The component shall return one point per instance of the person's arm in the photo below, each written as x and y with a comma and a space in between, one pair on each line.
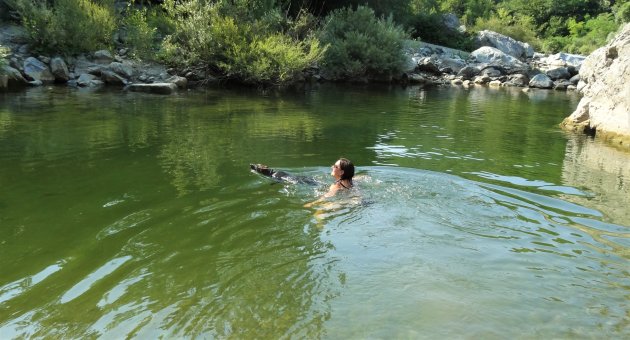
331, 192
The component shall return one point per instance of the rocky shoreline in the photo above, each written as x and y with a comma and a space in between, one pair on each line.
502, 61
499, 61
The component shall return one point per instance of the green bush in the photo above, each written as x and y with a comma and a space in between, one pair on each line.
622, 13
590, 34
431, 28
361, 45
139, 35
555, 44
4, 53
69, 26
246, 51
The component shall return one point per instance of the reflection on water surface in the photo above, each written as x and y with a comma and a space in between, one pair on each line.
136, 215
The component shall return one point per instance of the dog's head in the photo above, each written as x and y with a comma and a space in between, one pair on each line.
261, 169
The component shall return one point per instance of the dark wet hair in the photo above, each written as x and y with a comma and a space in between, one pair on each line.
347, 167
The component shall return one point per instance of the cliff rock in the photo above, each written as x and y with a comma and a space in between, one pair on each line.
604, 109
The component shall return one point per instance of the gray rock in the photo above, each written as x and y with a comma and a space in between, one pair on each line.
605, 104
103, 56
24, 49
481, 80
495, 83
455, 64
415, 78
14, 78
86, 79
96, 70
122, 69
518, 79
561, 84
575, 79
112, 78
59, 69
468, 72
36, 70
558, 73
181, 82
505, 44
44, 59
15, 63
156, 88
495, 57
409, 66
564, 59
541, 81
428, 65
491, 72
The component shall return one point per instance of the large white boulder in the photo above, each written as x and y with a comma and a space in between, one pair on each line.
495, 57
604, 82
505, 44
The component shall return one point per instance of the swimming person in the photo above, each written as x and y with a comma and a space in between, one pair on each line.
342, 171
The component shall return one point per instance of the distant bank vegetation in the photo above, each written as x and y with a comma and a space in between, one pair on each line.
273, 41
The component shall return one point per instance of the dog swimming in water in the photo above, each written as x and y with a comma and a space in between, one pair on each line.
281, 176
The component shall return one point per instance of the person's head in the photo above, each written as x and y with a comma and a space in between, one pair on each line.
343, 169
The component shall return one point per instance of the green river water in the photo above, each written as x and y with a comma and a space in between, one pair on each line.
473, 216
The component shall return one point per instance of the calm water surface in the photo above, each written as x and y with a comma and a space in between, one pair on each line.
474, 216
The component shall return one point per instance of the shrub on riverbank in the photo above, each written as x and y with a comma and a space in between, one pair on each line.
431, 28
70, 26
138, 34
360, 44
4, 52
250, 50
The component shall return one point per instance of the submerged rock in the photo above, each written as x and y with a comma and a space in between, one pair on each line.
157, 88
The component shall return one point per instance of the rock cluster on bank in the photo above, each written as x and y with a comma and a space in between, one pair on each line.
605, 84
505, 63
88, 70
500, 61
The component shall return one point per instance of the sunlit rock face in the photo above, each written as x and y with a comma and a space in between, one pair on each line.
605, 78
603, 172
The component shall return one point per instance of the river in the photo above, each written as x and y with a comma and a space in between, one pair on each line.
473, 216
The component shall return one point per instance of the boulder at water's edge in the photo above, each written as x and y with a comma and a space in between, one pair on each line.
604, 109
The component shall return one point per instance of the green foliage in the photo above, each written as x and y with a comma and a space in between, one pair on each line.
69, 26
162, 23
139, 35
431, 28
248, 51
590, 34
4, 53
520, 28
362, 45
468, 10
622, 13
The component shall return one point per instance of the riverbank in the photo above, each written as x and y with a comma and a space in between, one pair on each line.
501, 62
428, 65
